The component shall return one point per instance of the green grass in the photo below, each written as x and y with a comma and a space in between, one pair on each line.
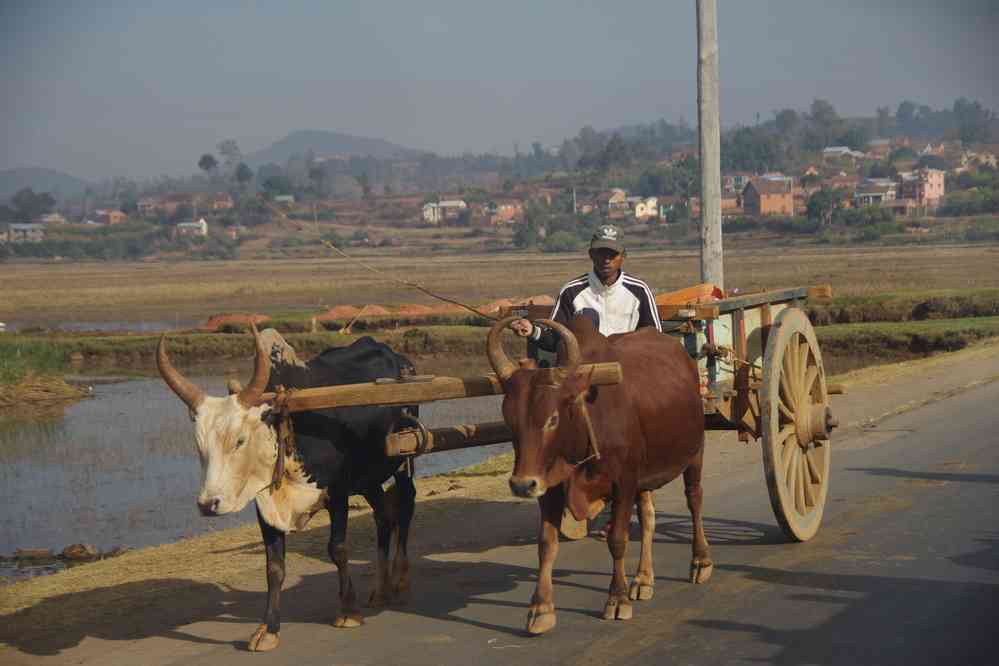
20, 357
897, 306
917, 337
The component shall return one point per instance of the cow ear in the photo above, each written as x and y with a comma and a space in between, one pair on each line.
233, 386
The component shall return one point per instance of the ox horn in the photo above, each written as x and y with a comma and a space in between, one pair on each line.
250, 396
189, 392
572, 353
502, 365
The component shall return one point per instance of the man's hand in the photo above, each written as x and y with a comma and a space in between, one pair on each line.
521, 327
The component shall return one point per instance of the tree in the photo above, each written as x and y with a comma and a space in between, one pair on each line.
244, 175
855, 137
973, 120
208, 163
28, 205
885, 121
365, 182
787, 121
905, 116
932, 162
275, 185
231, 156
822, 204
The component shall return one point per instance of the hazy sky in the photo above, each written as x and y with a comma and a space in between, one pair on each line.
144, 88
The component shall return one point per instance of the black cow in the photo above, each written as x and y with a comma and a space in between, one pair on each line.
338, 453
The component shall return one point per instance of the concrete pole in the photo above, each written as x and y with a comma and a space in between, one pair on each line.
709, 131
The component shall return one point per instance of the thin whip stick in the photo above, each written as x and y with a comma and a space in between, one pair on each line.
407, 283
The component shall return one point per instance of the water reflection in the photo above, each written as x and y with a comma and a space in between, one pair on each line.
121, 469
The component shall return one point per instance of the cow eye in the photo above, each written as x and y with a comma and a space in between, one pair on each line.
552, 422
240, 442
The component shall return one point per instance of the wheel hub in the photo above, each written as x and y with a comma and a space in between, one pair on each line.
813, 423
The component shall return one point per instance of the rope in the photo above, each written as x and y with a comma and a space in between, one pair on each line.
285, 435
407, 283
591, 433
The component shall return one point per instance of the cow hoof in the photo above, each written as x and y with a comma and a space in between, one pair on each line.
348, 621
640, 591
540, 621
617, 610
262, 640
700, 571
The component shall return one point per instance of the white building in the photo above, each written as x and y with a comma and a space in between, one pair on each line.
435, 213
199, 228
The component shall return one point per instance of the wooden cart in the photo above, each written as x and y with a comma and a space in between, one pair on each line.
762, 376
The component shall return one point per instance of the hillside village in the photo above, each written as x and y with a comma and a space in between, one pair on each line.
644, 178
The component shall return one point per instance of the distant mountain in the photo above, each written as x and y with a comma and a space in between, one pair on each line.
322, 142
56, 183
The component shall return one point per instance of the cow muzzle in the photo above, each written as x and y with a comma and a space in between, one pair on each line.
527, 486
210, 506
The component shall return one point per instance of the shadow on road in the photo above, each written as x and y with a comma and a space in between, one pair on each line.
448, 576
872, 619
677, 528
927, 476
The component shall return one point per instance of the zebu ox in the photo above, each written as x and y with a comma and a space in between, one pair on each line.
648, 430
338, 453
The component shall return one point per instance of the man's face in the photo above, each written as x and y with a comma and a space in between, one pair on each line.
606, 263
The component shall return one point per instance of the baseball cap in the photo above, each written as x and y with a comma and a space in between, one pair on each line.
607, 236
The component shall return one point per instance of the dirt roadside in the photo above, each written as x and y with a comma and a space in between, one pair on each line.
155, 592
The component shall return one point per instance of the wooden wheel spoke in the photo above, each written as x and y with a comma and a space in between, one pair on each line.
785, 410
789, 454
799, 487
810, 376
813, 469
803, 350
784, 433
806, 482
787, 389
792, 473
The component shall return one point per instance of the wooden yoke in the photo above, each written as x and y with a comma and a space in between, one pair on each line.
419, 389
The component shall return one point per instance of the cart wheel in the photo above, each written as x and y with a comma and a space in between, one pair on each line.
795, 425
573, 529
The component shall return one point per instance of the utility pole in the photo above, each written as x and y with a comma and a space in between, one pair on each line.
709, 131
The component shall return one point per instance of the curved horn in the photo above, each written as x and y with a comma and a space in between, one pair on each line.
190, 393
571, 343
502, 365
250, 396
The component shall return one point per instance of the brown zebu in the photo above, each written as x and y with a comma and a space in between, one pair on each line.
576, 444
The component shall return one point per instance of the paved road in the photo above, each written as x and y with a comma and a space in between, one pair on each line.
904, 571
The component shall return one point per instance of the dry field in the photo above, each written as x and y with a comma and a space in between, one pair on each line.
46, 293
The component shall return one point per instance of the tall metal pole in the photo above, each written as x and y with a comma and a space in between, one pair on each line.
709, 131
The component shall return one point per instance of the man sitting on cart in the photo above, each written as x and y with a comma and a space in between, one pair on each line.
618, 302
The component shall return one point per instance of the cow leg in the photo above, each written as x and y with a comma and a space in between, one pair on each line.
541, 613
405, 493
266, 636
618, 606
701, 565
349, 615
384, 526
643, 585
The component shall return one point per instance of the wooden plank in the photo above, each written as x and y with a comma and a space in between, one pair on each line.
820, 291
666, 312
727, 305
420, 389
693, 311
407, 442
